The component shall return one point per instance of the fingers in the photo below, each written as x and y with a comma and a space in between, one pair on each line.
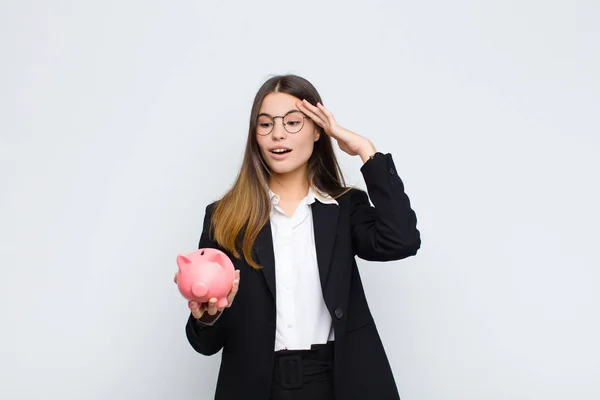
314, 113
234, 288
212, 306
197, 311
325, 111
321, 111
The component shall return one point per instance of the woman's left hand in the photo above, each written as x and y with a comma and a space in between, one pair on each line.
351, 143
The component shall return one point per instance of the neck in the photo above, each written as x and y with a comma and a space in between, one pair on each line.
292, 186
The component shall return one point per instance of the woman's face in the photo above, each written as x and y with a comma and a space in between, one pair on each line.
284, 152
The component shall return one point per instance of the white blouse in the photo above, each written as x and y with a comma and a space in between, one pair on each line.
302, 317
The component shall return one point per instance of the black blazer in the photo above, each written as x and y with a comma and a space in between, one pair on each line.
246, 331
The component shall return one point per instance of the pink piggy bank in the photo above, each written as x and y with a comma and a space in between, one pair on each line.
204, 274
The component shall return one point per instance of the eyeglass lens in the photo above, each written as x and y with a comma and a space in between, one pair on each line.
292, 123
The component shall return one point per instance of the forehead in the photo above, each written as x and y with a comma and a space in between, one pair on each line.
278, 103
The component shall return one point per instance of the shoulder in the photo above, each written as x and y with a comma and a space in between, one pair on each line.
353, 197
207, 238
210, 208
353, 194
209, 211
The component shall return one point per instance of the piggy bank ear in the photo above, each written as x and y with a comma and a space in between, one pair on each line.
222, 259
183, 261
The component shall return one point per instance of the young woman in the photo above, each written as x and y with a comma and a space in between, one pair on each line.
298, 325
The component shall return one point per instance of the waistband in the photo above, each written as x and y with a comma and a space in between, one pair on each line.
293, 368
316, 352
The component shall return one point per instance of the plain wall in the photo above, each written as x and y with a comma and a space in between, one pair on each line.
121, 120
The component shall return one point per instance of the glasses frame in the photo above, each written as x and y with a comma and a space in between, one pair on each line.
283, 123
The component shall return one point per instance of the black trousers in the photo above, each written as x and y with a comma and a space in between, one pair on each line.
303, 374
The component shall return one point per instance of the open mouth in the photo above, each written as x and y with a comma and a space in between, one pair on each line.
280, 151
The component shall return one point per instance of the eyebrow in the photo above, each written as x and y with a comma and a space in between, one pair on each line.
291, 111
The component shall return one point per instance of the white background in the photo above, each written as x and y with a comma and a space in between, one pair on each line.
121, 120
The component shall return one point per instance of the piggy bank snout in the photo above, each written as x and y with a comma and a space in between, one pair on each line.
199, 289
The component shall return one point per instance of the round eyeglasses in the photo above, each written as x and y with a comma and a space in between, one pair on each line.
293, 122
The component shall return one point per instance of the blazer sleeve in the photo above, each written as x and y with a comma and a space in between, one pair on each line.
388, 229
205, 338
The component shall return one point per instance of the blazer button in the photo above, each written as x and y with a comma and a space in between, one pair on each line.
392, 171
339, 313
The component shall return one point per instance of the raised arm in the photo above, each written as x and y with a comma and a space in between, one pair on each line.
388, 229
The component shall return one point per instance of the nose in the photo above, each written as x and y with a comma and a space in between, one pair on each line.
278, 131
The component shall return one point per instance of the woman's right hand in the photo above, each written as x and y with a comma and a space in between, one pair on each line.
199, 310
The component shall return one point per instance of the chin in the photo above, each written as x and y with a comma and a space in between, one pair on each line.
284, 168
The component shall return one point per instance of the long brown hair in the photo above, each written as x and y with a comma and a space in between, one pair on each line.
245, 208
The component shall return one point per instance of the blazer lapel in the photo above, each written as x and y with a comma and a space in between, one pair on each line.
265, 255
325, 221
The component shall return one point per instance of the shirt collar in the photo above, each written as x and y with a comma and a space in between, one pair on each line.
310, 197
321, 196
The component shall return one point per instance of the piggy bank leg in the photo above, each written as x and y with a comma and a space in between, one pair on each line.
222, 302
